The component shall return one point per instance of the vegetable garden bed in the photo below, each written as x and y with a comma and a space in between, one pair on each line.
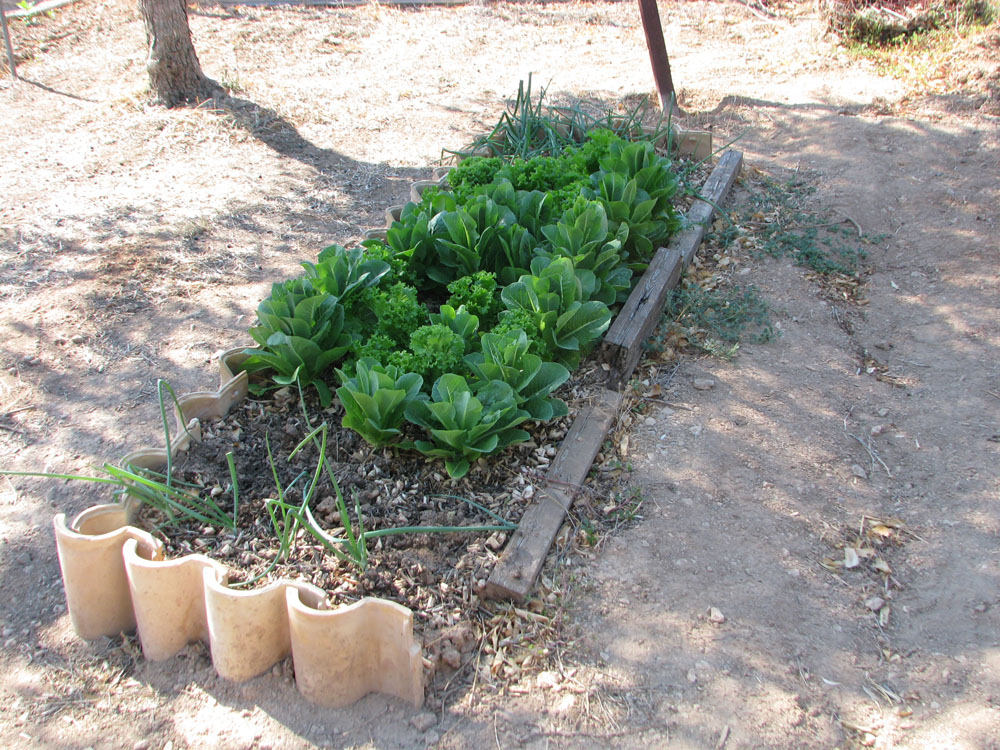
407, 484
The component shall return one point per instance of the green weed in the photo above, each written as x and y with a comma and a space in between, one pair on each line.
715, 320
782, 227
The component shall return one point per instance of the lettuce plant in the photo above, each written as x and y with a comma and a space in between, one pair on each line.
636, 188
411, 239
398, 311
301, 334
582, 236
339, 272
376, 398
505, 357
477, 294
463, 425
559, 300
435, 350
460, 321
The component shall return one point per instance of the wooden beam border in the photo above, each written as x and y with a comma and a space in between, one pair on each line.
622, 346
521, 560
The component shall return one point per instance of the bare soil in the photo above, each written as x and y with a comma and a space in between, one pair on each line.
135, 243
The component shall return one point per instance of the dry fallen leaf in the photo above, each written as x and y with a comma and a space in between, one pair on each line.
882, 566
883, 615
851, 558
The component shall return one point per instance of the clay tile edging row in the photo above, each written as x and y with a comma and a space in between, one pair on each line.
116, 579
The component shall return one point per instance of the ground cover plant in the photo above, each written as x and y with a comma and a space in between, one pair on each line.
876, 24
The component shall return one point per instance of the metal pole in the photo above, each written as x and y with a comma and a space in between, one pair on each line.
6, 41
657, 53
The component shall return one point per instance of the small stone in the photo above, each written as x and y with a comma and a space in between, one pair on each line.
78, 339
704, 384
141, 745
528, 492
649, 421
883, 413
877, 430
695, 429
432, 738
423, 721
715, 615
858, 471
692, 676
451, 657
875, 603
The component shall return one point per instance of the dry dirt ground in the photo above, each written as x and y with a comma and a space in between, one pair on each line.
136, 242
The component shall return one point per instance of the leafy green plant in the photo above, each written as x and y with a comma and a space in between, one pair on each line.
568, 320
376, 249
532, 209
582, 237
463, 323
376, 398
399, 312
301, 334
505, 357
464, 425
412, 244
472, 173
528, 322
477, 293
436, 349
636, 188
339, 272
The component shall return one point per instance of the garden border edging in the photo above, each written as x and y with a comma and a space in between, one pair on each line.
521, 560
116, 580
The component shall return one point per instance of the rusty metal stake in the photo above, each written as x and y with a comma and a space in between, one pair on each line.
658, 53
6, 41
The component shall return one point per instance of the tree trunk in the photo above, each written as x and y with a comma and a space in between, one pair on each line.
175, 75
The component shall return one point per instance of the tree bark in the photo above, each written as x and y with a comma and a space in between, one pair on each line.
175, 76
